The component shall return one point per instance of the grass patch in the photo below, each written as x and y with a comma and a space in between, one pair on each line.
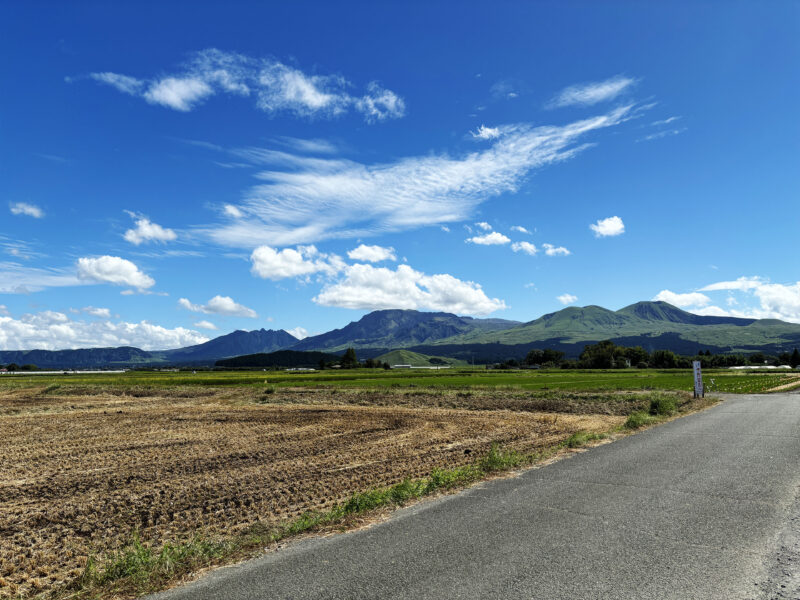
581, 438
639, 419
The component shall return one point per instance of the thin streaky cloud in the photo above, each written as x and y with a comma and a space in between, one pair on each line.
313, 199
587, 94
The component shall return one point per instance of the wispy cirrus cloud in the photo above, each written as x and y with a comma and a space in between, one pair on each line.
274, 86
586, 94
306, 199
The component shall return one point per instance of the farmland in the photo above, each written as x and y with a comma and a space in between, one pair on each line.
90, 461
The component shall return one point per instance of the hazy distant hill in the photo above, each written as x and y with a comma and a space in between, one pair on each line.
398, 329
79, 359
233, 344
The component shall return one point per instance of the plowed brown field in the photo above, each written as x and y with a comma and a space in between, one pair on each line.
80, 473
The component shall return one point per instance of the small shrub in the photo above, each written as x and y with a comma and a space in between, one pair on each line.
499, 460
663, 405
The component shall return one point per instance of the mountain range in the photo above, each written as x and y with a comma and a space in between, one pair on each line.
652, 325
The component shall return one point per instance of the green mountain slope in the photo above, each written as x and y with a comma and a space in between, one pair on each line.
655, 324
415, 359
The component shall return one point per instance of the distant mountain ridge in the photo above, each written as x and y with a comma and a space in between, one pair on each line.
399, 329
653, 325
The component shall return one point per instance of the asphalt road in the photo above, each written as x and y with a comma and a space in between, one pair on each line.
706, 506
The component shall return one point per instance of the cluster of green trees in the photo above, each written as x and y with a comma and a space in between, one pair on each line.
16, 367
349, 360
607, 355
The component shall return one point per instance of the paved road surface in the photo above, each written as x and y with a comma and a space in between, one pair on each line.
704, 507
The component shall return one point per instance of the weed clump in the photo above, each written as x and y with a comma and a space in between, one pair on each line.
663, 405
638, 419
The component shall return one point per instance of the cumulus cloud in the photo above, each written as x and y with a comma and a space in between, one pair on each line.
490, 239
486, 133
113, 269
525, 247
567, 299
219, 305
274, 86
372, 288
308, 199
97, 312
147, 231
300, 333
484, 225
586, 94
50, 330
372, 253
758, 298
551, 250
683, 300
269, 263
23, 208
608, 227
206, 325
520, 229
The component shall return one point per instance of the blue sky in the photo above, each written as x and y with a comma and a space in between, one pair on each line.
171, 172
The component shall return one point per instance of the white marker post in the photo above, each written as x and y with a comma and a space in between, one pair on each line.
699, 391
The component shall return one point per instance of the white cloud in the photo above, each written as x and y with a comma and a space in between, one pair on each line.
484, 225
372, 253
608, 227
180, 93
123, 83
19, 279
551, 250
741, 284
219, 305
567, 299
520, 229
490, 239
373, 288
275, 87
300, 333
146, 231
49, 330
97, 312
772, 300
23, 208
486, 133
587, 94
683, 300
113, 269
666, 121
525, 247
3, 309
206, 325
662, 134
445, 228
269, 263
313, 199
232, 211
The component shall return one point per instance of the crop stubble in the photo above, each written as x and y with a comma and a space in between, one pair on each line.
78, 474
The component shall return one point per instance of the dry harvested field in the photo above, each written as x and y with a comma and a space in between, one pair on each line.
83, 468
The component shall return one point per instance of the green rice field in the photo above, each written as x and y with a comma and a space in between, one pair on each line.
724, 381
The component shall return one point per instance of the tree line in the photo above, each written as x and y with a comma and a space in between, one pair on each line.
607, 355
